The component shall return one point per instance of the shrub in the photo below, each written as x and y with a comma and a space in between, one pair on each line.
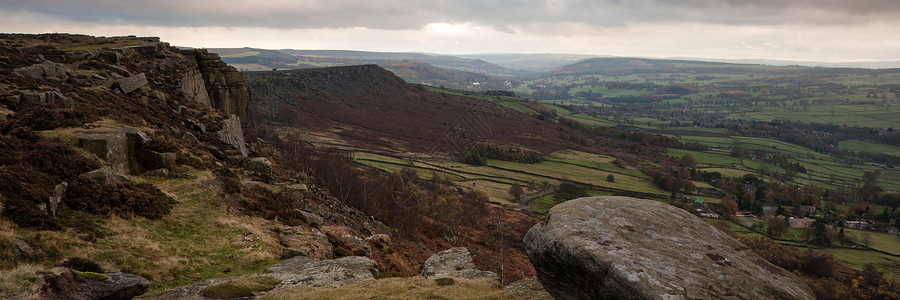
124, 199
445, 281
81, 264
610, 178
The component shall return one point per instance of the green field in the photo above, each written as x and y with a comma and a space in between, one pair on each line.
856, 145
496, 177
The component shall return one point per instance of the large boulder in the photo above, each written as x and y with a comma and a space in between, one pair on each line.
628, 248
131, 84
454, 262
46, 70
335, 272
67, 284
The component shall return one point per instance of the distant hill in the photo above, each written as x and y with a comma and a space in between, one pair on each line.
530, 62
454, 73
443, 61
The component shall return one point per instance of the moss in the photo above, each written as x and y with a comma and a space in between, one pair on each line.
242, 287
93, 275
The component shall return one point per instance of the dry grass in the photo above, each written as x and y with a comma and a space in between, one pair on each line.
21, 282
399, 288
199, 239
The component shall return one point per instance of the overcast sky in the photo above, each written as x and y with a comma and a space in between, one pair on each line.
812, 30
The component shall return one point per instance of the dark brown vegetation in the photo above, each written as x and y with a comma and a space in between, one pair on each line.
372, 107
434, 213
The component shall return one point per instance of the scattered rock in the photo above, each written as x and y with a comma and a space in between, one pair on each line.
336, 272
379, 240
161, 172
46, 70
312, 219
111, 57
105, 175
312, 241
191, 138
356, 245
628, 248
454, 262
260, 166
131, 84
21, 248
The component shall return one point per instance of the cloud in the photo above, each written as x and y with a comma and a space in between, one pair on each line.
504, 15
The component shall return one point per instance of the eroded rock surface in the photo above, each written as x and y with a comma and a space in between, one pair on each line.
335, 272
628, 248
454, 262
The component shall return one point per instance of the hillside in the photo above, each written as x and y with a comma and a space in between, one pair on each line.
371, 106
136, 163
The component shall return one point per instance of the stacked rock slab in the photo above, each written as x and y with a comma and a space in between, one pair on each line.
225, 85
628, 248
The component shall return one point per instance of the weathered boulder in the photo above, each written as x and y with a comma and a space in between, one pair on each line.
335, 272
194, 88
232, 134
314, 243
105, 175
131, 84
454, 262
117, 147
628, 248
21, 248
46, 70
260, 166
66, 284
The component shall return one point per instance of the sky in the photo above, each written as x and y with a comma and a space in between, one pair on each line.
805, 30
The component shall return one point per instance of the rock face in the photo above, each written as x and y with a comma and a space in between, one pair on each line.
194, 88
454, 262
336, 272
225, 86
232, 134
118, 148
628, 248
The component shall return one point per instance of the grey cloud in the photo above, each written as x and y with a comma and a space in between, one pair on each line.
413, 14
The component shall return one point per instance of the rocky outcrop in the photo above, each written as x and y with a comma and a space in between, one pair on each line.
628, 248
335, 272
46, 70
225, 86
118, 148
193, 87
454, 262
232, 134
104, 175
67, 284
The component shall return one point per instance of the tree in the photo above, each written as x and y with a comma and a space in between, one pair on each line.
729, 207
515, 190
610, 178
777, 226
871, 176
866, 239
